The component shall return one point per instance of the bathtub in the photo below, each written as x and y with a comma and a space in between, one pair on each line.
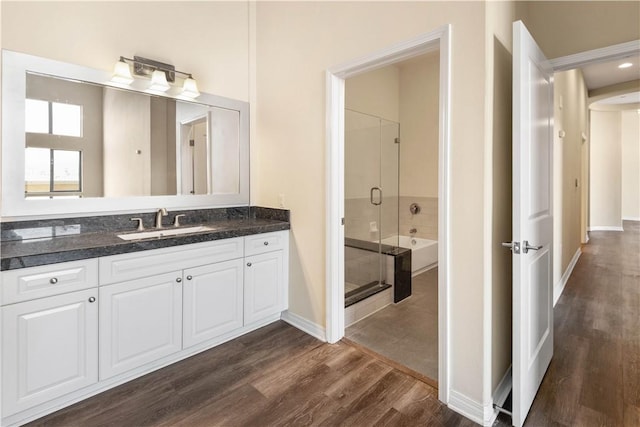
424, 252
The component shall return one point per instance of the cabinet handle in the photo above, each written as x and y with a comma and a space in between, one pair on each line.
92, 299
179, 280
189, 277
53, 280
266, 243
248, 264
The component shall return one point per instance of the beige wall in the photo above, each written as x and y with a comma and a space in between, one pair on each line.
314, 36
127, 143
566, 27
208, 39
570, 117
605, 170
419, 105
375, 92
497, 175
630, 150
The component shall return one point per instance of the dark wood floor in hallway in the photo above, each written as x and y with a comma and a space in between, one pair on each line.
594, 376
278, 375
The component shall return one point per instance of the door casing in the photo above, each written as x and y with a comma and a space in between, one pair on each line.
439, 39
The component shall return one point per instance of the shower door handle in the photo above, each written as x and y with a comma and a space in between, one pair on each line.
379, 202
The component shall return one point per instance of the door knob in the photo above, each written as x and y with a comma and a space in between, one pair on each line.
248, 264
526, 247
179, 280
189, 277
514, 246
92, 299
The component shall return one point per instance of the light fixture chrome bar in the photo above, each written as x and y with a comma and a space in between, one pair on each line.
146, 67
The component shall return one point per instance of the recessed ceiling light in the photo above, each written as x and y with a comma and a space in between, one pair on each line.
625, 65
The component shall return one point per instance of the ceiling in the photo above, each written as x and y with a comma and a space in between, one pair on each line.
607, 73
603, 74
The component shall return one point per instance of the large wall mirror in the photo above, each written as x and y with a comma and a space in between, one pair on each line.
74, 143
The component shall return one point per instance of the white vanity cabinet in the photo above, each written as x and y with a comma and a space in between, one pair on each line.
71, 330
265, 284
140, 322
212, 301
49, 344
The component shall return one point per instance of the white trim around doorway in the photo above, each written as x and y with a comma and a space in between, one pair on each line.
439, 39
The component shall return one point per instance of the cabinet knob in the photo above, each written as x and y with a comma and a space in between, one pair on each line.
266, 243
92, 299
179, 279
248, 264
189, 277
53, 280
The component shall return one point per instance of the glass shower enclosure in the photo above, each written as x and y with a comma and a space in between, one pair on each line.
371, 201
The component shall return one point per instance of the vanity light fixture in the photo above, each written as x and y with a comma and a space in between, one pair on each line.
190, 88
122, 73
159, 81
625, 65
161, 75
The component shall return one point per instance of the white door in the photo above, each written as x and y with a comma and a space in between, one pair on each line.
263, 286
532, 219
49, 348
140, 321
212, 301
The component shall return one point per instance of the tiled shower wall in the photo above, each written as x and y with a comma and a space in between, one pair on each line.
359, 213
426, 222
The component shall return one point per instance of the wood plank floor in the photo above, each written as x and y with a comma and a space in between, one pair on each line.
594, 376
278, 375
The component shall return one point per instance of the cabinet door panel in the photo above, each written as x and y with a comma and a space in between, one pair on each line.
212, 301
49, 348
264, 282
140, 321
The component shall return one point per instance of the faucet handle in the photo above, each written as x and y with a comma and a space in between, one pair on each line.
176, 220
140, 225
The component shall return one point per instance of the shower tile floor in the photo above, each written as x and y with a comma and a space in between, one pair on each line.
407, 332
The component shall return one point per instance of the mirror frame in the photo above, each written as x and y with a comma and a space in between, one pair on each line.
14, 205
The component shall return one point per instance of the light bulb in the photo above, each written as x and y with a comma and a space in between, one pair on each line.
159, 81
122, 73
625, 65
190, 88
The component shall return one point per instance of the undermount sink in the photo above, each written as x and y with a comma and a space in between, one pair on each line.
164, 232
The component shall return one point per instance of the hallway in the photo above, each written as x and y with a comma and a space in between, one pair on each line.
594, 376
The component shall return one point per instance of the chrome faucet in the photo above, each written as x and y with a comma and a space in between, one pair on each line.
161, 212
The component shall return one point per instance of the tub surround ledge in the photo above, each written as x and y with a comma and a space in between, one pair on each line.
41, 242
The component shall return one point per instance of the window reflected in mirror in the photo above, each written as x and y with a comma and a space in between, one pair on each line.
88, 140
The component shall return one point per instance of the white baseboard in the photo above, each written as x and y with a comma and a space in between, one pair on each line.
501, 393
504, 387
605, 228
484, 415
304, 325
558, 288
631, 218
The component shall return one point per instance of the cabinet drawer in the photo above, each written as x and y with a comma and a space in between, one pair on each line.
266, 242
118, 268
37, 282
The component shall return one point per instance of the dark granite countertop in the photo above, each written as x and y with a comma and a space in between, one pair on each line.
44, 244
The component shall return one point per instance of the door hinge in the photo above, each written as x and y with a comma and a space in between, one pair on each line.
342, 221
397, 140
513, 246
